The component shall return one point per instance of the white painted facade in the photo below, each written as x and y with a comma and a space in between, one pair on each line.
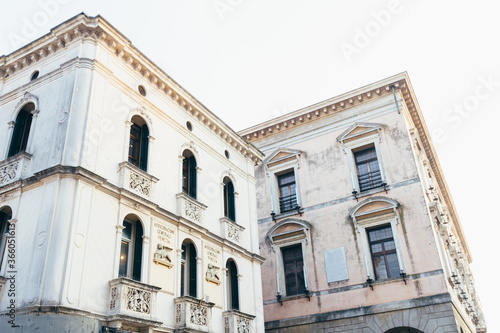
70, 191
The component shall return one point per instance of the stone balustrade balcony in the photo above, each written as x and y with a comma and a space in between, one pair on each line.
132, 302
189, 208
231, 231
193, 314
137, 181
14, 168
237, 322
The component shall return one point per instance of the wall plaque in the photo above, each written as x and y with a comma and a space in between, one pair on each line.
336, 265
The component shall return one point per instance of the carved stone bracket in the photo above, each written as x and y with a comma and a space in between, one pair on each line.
14, 168
162, 256
237, 322
137, 180
212, 274
193, 314
230, 230
190, 208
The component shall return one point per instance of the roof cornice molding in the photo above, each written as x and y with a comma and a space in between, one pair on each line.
325, 108
97, 29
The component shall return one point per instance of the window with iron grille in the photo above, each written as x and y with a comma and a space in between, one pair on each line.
383, 253
293, 264
287, 192
369, 175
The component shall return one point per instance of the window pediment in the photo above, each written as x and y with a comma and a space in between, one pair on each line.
282, 155
288, 231
359, 131
374, 210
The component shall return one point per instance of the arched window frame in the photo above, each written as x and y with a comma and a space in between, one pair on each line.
385, 217
130, 216
25, 100
297, 236
146, 159
227, 205
191, 172
189, 269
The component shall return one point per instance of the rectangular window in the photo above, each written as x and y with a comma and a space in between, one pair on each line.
383, 252
287, 191
369, 175
294, 270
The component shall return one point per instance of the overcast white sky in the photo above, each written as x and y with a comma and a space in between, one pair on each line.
250, 60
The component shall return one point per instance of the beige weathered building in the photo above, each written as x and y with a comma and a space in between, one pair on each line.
356, 221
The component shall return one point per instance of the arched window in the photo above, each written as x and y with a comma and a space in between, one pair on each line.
188, 269
233, 300
5, 216
21, 130
139, 142
229, 207
131, 248
189, 174
376, 220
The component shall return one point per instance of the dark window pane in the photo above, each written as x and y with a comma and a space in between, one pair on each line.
294, 266
383, 251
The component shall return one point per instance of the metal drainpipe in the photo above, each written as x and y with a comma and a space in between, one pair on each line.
395, 99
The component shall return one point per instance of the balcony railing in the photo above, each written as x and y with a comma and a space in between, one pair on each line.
237, 322
193, 315
370, 180
288, 203
14, 168
132, 299
231, 230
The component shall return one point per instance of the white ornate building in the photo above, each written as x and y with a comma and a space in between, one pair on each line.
133, 206
356, 220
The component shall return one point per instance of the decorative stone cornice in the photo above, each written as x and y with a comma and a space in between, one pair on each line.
98, 30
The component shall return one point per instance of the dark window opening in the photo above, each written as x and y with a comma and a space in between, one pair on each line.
139, 143
294, 270
226, 153
142, 90
34, 76
232, 283
369, 175
383, 251
229, 206
5, 216
189, 174
287, 192
188, 269
189, 126
21, 132
131, 250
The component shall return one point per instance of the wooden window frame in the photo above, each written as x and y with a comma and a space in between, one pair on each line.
382, 254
